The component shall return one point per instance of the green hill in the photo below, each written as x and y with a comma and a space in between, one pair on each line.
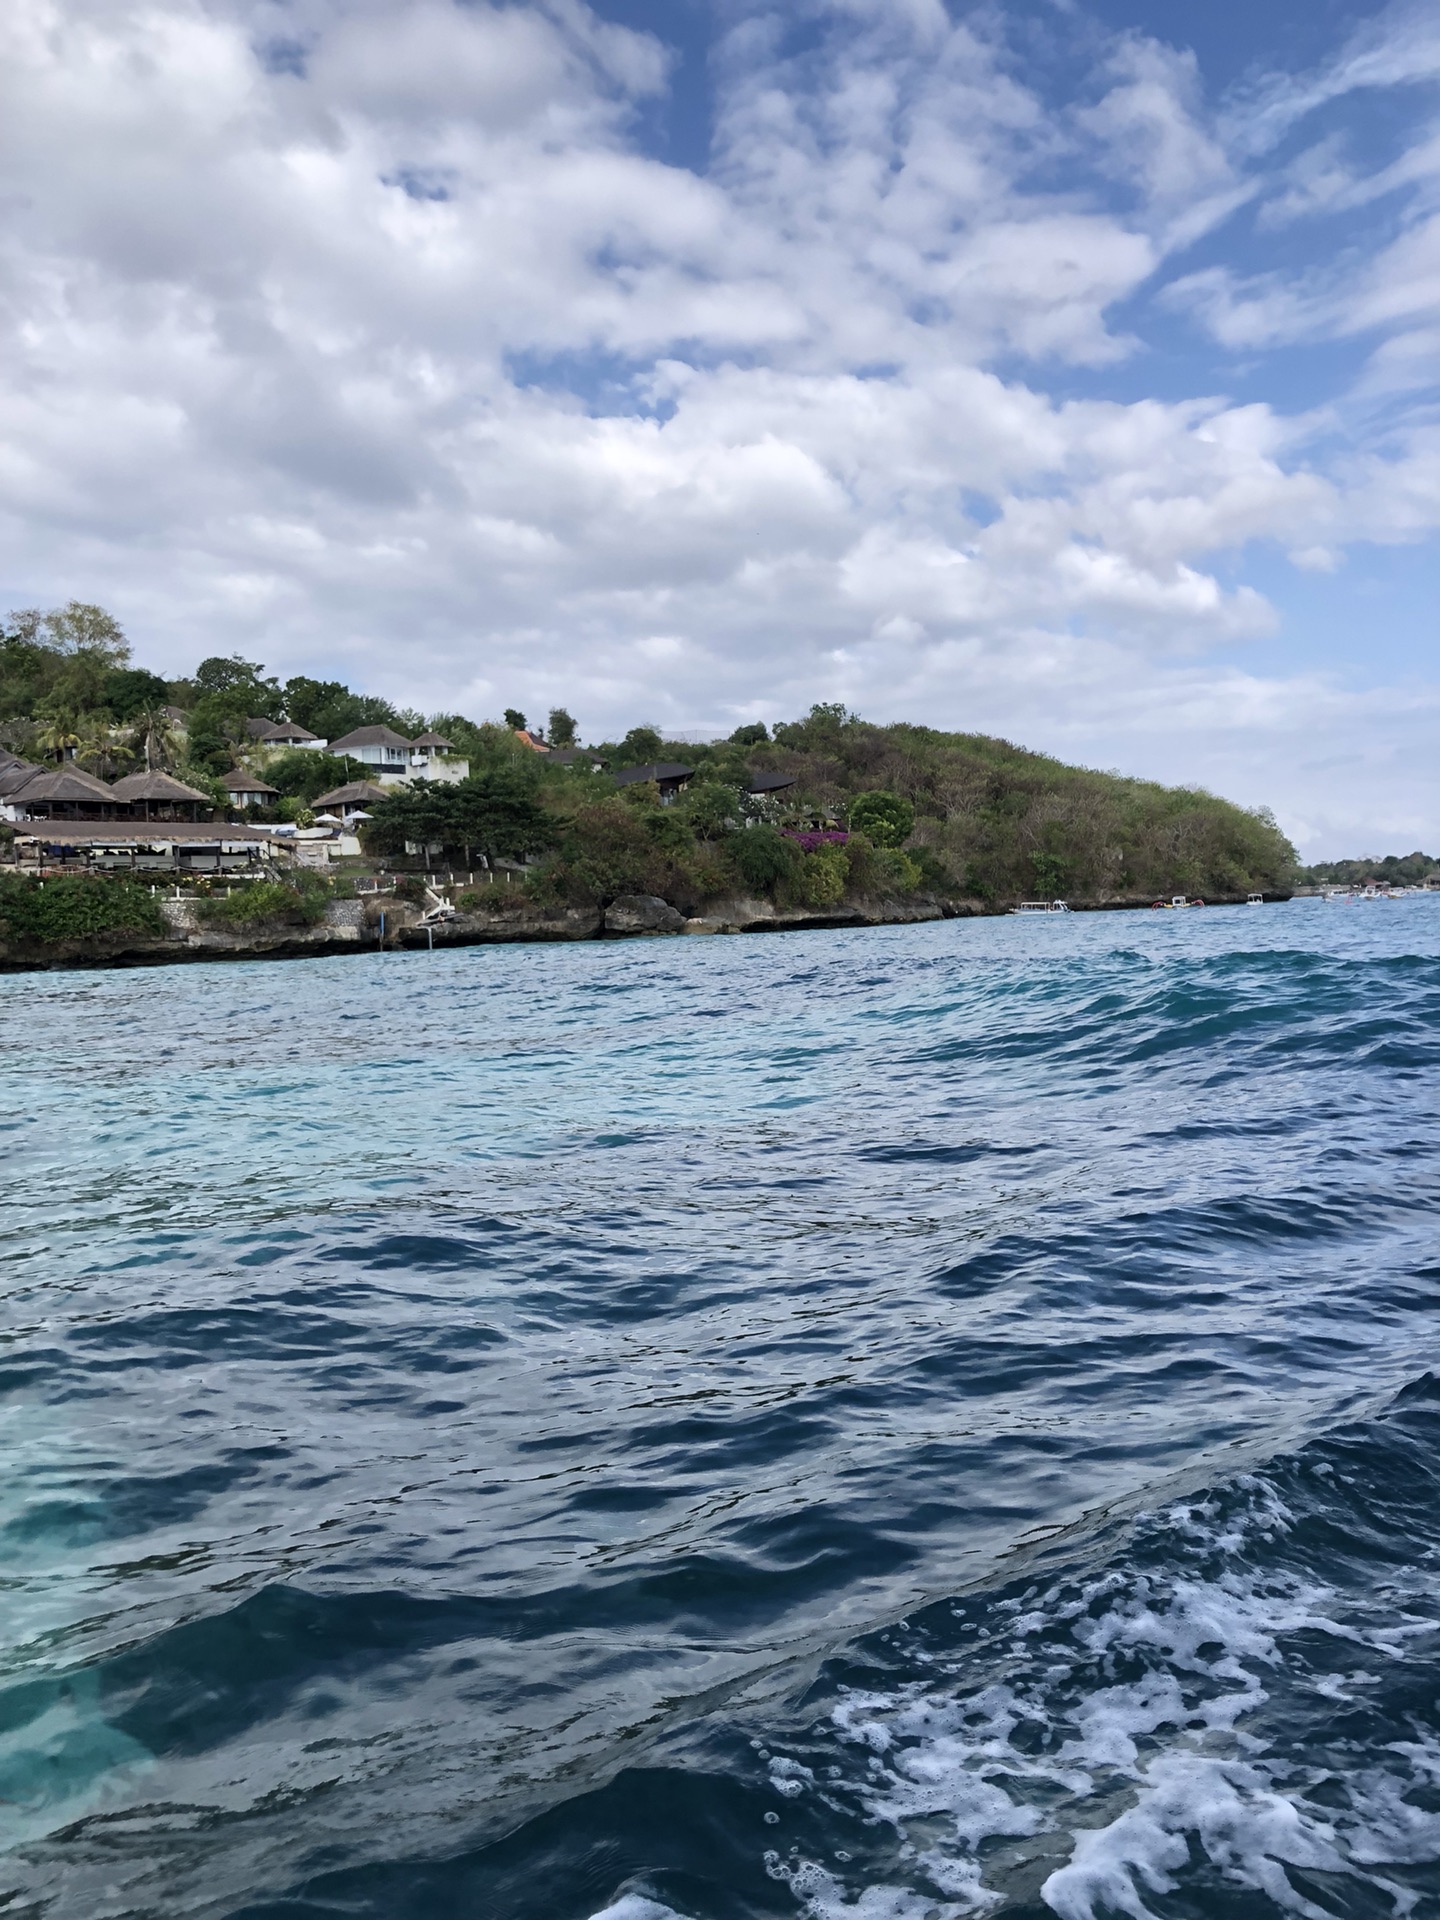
959, 815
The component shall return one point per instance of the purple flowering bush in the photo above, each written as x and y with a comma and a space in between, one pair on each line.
811, 842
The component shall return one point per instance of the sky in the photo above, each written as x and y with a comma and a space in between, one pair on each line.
1064, 369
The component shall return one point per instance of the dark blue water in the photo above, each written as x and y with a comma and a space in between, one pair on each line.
898, 1424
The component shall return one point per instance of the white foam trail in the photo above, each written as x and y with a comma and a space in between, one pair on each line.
1167, 1742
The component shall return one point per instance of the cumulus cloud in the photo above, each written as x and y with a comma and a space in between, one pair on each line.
368, 336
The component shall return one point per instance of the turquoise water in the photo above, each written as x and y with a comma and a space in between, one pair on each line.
898, 1423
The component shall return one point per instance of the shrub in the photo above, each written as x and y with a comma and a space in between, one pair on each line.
821, 877
1051, 870
898, 869
935, 876
710, 807
269, 903
606, 849
711, 874
763, 857
884, 818
75, 906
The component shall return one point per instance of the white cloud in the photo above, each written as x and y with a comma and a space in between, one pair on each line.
365, 335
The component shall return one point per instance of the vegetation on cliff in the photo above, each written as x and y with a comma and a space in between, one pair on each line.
73, 906
878, 810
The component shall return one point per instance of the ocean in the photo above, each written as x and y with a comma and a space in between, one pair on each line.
892, 1424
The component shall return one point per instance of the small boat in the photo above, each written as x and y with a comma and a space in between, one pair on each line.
1040, 906
1254, 899
1176, 902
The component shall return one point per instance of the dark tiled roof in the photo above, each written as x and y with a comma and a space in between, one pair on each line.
15, 774
247, 783
156, 786
432, 740
770, 782
369, 737
65, 784
662, 770
278, 730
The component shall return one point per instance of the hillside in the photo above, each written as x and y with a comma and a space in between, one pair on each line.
875, 810
994, 822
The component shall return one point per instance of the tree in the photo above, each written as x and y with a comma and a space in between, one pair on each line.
153, 735
514, 719
495, 813
763, 856
884, 818
304, 773
96, 749
329, 708
1050, 872
641, 747
240, 686
216, 727
561, 728
58, 736
755, 734
130, 691
821, 731
709, 807
498, 813
76, 628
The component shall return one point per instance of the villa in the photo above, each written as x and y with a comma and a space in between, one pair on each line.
355, 797
282, 733
248, 790
391, 759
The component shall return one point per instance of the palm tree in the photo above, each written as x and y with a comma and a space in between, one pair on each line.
154, 735
58, 736
97, 748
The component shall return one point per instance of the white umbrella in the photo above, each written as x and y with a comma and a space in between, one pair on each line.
361, 814
327, 819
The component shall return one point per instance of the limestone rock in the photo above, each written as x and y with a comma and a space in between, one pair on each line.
642, 913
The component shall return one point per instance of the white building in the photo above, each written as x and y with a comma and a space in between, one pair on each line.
282, 733
393, 760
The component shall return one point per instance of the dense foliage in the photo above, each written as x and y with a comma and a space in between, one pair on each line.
74, 907
995, 822
1395, 870
299, 900
495, 813
887, 818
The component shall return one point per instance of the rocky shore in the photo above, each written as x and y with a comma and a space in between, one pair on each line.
386, 924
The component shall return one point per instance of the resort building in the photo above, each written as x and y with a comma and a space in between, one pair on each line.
184, 847
395, 761
281, 734
669, 776
63, 793
249, 790
356, 797
158, 796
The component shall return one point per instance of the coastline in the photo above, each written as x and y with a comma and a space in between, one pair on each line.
354, 926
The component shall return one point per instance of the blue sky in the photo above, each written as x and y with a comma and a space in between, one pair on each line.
1061, 370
